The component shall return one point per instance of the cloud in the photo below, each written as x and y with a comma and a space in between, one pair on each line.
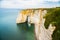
53, 0
23, 4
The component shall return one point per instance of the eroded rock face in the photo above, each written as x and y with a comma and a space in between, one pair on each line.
23, 16
36, 17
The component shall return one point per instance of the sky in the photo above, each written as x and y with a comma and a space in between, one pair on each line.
24, 4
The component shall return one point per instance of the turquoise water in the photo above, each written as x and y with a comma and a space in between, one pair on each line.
9, 30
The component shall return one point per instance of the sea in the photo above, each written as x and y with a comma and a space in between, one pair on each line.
9, 30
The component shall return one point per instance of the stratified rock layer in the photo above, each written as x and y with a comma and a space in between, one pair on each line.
36, 17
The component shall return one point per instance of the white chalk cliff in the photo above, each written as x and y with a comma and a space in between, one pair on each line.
36, 17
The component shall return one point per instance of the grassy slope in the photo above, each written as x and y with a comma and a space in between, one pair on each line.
53, 16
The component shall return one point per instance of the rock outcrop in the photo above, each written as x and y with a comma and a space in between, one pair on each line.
36, 17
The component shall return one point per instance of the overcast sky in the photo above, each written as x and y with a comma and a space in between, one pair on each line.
23, 4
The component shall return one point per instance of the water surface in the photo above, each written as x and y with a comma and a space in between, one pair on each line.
9, 30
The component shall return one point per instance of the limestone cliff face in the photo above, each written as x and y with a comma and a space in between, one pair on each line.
33, 16
36, 17
23, 16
